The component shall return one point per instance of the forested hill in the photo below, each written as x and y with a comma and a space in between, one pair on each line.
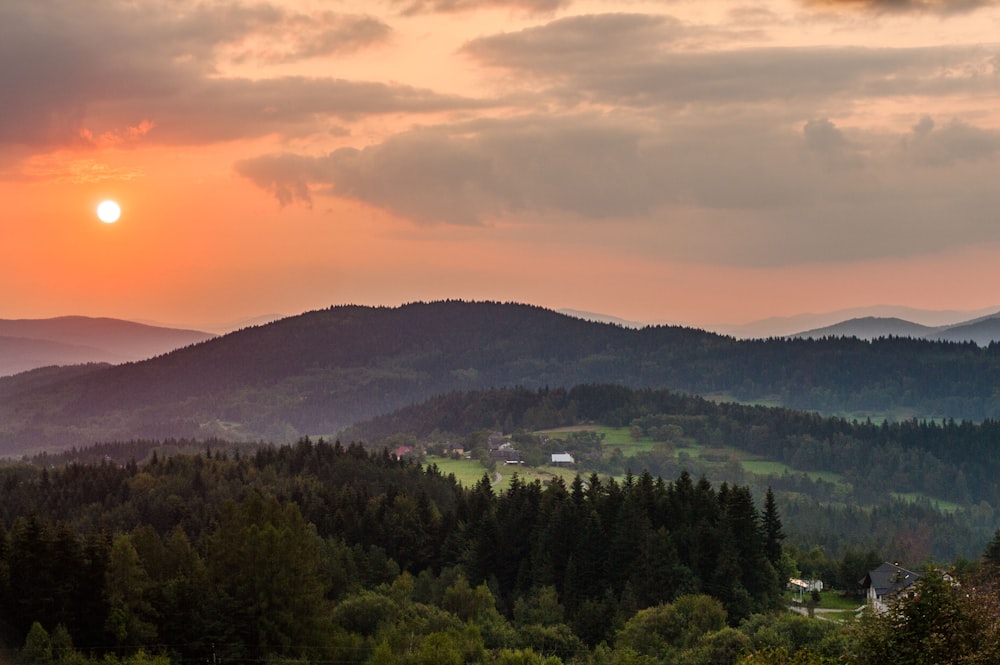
842, 484
123, 558
321, 371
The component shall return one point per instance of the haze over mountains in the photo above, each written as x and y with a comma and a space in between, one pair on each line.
322, 371
982, 331
26, 344
862, 322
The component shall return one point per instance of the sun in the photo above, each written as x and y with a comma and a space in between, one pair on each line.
109, 212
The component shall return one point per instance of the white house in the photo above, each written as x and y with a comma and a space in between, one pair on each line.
562, 459
802, 587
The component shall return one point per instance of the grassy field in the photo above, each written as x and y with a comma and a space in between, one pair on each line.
770, 467
620, 438
915, 497
833, 600
467, 472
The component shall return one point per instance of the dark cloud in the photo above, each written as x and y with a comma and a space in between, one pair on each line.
955, 142
825, 139
70, 71
225, 109
761, 194
591, 167
943, 7
463, 175
639, 60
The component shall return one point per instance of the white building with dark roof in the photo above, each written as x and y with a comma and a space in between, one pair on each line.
887, 582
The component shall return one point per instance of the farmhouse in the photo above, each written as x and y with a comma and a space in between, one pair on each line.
562, 459
887, 582
802, 587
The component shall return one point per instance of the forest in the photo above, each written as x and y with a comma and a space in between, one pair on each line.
948, 460
319, 372
315, 546
320, 553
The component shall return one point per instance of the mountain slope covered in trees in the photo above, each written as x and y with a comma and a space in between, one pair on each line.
321, 371
279, 553
841, 482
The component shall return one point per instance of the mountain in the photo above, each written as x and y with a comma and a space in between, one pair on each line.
871, 327
793, 325
601, 318
29, 343
322, 371
982, 331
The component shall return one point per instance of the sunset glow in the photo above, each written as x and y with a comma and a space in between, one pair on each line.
694, 162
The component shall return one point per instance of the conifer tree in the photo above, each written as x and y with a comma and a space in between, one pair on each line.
773, 534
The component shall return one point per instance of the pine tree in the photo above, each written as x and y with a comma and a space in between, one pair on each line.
773, 535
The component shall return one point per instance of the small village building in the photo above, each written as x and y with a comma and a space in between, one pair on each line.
886, 583
506, 454
495, 440
802, 587
562, 459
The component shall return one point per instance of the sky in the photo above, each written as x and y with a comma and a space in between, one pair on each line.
693, 162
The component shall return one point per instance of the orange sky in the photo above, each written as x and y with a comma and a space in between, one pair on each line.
694, 162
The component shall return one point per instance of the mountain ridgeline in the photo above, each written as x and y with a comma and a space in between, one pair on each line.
322, 371
27, 344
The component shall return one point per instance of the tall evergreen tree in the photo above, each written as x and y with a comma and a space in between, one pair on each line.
773, 534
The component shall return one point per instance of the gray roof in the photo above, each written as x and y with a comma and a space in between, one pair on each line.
889, 579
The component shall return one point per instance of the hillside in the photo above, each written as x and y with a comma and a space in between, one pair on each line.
818, 466
870, 327
982, 331
26, 344
319, 372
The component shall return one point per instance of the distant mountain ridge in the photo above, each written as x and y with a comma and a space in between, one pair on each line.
319, 372
982, 331
813, 322
26, 344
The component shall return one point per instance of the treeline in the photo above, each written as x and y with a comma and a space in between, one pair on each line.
281, 553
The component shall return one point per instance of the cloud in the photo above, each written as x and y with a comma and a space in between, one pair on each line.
943, 7
588, 166
77, 171
72, 71
955, 142
654, 60
412, 7
225, 109
746, 192
826, 140
299, 36
469, 174
285, 176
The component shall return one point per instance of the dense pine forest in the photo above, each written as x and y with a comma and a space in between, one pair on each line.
317, 546
320, 553
842, 480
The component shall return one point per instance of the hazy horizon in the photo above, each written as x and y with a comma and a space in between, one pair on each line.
765, 326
